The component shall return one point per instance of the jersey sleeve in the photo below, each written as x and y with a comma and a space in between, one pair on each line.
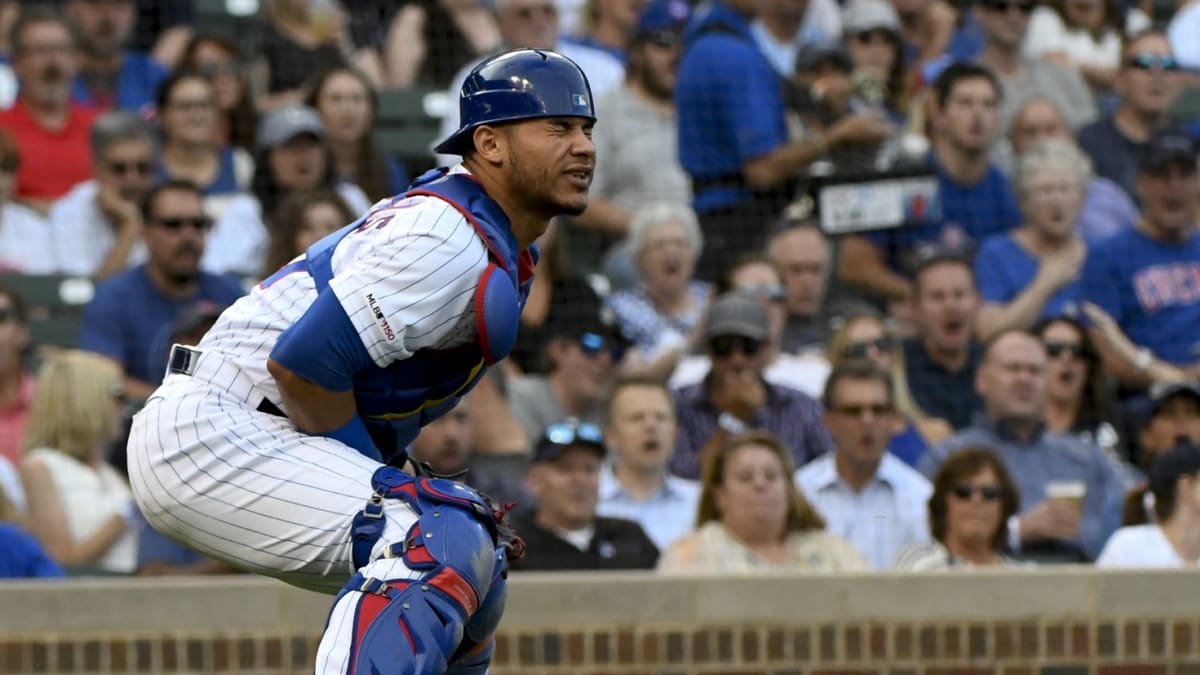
406, 278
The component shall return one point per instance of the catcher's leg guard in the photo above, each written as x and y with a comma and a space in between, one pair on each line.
416, 607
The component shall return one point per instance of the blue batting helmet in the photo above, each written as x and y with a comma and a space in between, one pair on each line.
519, 85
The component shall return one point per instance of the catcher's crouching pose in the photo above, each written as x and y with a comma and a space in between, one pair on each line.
278, 443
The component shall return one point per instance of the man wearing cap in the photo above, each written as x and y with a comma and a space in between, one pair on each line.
1174, 419
636, 148
1148, 83
563, 532
1147, 278
734, 397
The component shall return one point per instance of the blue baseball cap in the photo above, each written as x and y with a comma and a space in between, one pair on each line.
662, 21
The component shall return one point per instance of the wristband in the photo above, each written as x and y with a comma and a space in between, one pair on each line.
354, 434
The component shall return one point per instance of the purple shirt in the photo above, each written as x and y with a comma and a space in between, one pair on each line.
791, 415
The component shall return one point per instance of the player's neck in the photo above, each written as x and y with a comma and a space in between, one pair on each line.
526, 225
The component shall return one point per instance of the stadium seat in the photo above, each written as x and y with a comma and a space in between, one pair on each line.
55, 305
407, 124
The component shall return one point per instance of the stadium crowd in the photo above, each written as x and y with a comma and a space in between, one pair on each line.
706, 378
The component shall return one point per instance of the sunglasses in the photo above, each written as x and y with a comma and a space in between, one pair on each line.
200, 223
724, 345
1008, 5
570, 432
989, 493
125, 168
10, 164
1144, 61
1056, 349
861, 350
878, 410
592, 344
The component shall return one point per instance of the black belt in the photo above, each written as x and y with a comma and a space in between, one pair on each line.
183, 361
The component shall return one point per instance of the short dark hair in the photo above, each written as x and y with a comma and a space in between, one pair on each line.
630, 382
151, 197
859, 370
959, 71
163, 94
959, 467
31, 14
939, 258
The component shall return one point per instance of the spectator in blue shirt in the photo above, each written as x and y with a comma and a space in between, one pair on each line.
133, 313
111, 76
733, 136
1012, 383
976, 199
1148, 278
1032, 273
22, 557
636, 484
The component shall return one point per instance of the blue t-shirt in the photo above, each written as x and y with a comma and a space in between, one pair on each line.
131, 321
969, 215
1151, 289
137, 83
225, 182
1003, 268
730, 104
22, 557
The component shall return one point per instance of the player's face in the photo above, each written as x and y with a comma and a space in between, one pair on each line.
567, 488
1012, 379
1051, 203
127, 166
175, 233
190, 113
945, 306
319, 220
551, 162
641, 429
1170, 196
298, 164
969, 118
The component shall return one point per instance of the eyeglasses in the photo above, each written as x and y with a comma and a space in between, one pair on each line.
1008, 5
199, 223
724, 345
569, 432
877, 410
592, 344
862, 349
124, 168
10, 164
1146, 61
989, 493
1056, 349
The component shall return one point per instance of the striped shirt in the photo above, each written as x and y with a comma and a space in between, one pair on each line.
791, 415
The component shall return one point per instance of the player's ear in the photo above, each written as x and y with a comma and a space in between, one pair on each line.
490, 145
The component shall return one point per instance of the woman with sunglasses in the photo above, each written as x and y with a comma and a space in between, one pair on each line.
1168, 533
871, 32
866, 336
1033, 271
752, 518
973, 498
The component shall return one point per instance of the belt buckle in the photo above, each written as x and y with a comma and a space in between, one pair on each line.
183, 360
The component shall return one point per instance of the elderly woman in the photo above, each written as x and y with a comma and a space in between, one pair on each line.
79, 507
1172, 498
973, 498
1032, 272
753, 519
660, 315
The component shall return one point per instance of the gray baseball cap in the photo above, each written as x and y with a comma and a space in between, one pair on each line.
736, 314
284, 124
859, 16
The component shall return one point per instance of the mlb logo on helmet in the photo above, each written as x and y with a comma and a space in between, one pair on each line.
579, 100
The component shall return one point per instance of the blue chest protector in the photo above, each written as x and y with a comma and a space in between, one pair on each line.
396, 401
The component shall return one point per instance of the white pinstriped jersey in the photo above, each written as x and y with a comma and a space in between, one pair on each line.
405, 277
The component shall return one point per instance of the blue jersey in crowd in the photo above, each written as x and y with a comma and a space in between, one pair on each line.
969, 215
137, 84
1152, 289
1003, 269
22, 557
730, 104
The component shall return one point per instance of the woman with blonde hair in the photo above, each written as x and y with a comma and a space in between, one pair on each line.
79, 507
752, 518
865, 335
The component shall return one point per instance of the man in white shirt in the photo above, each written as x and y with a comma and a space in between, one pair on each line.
867, 496
641, 435
98, 224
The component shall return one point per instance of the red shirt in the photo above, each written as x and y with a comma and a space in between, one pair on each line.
52, 162
12, 422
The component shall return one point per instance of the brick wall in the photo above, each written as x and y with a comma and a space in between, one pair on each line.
1022, 623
